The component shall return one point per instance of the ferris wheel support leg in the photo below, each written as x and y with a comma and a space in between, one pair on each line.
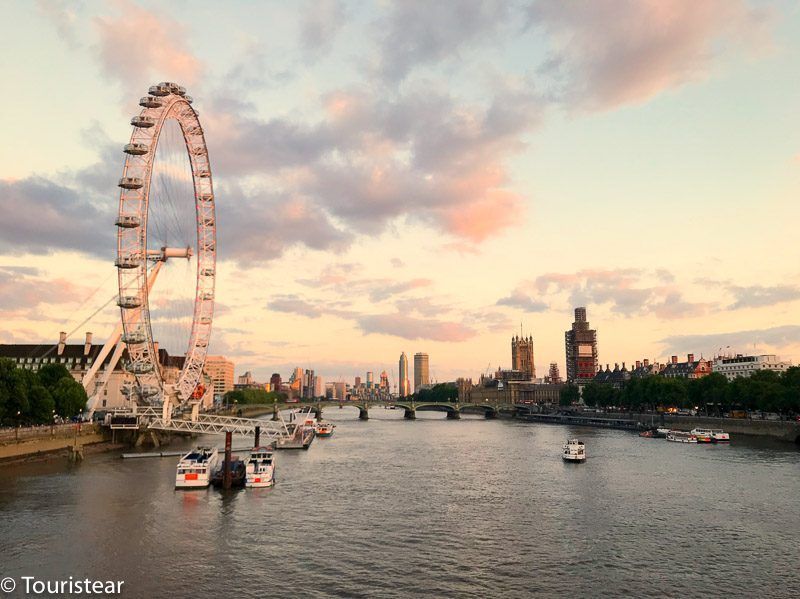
195, 411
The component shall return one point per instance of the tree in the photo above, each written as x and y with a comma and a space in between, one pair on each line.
69, 397
51, 374
570, 394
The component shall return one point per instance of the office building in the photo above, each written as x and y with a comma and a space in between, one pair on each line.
421, 371
404, 383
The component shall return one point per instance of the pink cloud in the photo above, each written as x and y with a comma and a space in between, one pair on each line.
139, 47
410, 327
627, 51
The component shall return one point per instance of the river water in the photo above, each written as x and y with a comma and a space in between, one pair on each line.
436, 508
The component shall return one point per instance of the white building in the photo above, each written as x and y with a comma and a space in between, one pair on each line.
744, 366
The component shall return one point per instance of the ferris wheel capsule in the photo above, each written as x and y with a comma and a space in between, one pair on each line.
130, 183
143, 122
151, 102
136, 149
160, 89
128, 221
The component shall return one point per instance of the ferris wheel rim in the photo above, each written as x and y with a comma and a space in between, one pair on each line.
165, 101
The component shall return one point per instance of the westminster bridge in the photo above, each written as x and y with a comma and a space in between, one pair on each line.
410, 408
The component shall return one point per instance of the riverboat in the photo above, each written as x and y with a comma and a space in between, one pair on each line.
195, 468
704, 435
324, 429
681, 437
574, 451
260, 467
720, 436
661, 433
238, 474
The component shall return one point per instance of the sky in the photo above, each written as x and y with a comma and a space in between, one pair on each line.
423, 177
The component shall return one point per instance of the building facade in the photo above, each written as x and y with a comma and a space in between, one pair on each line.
691, 369
404, 383
581, 350
522, 356
421, 371
554, 375
744, 366
220, 370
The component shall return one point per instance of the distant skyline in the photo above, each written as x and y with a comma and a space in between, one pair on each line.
422, 177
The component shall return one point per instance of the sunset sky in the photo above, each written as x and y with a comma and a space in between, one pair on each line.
424, 176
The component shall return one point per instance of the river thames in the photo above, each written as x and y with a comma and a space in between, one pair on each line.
437, 508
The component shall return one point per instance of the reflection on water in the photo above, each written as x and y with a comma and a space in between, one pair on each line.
429, 507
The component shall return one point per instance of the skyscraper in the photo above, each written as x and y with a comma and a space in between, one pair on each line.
581, 349
404, 384
384, 384
522, 356
369, 380
421, 371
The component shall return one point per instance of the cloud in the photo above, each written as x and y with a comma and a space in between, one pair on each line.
410, 327
23, 288
63, 15
416, 32
776, 337
618, 52
520, 299
627, 291
293, 304
40, 216
138, 48
758, 296
320, 22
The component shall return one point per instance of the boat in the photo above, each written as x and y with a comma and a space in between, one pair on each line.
260, 467
574, 451
681, 437
300, 434
195, 468
704, 435
238, 474
324, 429
661, 433
720, 436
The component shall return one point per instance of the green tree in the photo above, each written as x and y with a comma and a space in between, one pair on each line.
69, 397
51, 374
592, 394
569, 394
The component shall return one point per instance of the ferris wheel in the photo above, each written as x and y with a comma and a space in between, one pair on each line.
144, 245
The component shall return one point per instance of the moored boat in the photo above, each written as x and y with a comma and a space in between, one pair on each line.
238, 474
720, 436
574, 451
704, 435
196, 467
661, 433
681, 437
324, 429
260, 467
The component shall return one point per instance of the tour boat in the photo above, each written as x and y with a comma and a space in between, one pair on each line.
300, 436
260, 467
681, 437
324, 429
704, 435
720, 436
196, 467
661, 433
574, 451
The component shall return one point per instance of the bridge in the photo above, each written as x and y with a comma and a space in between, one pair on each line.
410, 408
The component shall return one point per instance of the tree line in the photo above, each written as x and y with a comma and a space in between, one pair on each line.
253, 397
38, 396
764, 390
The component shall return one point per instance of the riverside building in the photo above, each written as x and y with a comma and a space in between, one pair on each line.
744, 366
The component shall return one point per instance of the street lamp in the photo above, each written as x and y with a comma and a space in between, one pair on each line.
17, 425
53, 423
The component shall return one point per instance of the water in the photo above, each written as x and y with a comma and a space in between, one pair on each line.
393, 508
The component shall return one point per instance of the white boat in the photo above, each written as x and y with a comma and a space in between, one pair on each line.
324, 429
195, 468
260, 467
298, 434
720, 436
704, 435
681, 437
574, 451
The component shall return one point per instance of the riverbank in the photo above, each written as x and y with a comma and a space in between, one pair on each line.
50, 443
